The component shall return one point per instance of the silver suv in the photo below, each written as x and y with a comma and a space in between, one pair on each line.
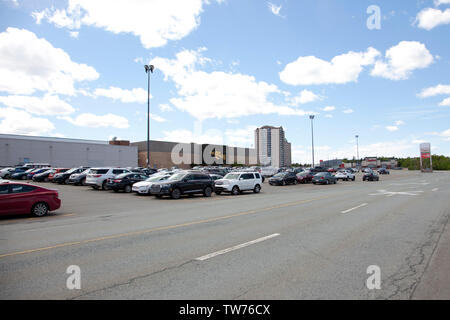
97, 177
236, 182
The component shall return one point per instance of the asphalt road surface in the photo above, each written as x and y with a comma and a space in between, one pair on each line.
291, 242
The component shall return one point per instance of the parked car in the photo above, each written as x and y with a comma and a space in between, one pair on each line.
64, 177
79, 178
317, 170
21, 175
97, 177
268, 171
125, 181
283, 178
237, 182
383, 171
57, 170
36, 171
43, 177
371, 176
184, 182
345, 175
20, 198
332, 170
324, 178
8, 172
304, 177
143, 187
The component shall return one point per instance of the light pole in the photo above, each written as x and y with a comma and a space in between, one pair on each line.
312, 139
148, 69
357, 151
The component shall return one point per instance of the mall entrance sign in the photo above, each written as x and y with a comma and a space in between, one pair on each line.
426, 162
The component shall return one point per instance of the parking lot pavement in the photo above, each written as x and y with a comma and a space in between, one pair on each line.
288, 242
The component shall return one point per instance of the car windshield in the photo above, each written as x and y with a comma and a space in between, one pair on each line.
280, 175
156, 178
302, 174
29, 170
122, 175
232, 176
72, 170
177, 176
321, 174
99, 171
86, 171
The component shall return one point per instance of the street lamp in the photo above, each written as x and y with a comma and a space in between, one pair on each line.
357, 151
148, 69
312, 139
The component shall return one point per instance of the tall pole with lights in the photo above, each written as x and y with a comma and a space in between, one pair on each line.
312, 139
148, 69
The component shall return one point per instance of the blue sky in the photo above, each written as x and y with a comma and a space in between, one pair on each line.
76, 69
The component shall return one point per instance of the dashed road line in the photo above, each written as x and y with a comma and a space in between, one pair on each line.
354, 208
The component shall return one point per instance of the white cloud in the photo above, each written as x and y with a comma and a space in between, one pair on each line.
74, 34
445, 103
136, 95
392, 128
274, 9
165, 107
13, 121
305, 96
430, 18
348, 111
341, 69
329, 108
402, 60
418, 141
157, 118
47, 105
218, 94
94, 121
29, 64
439, 2
434, 91
154, 22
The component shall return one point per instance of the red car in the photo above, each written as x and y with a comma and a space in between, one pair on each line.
304, 177
57, 170
23, 198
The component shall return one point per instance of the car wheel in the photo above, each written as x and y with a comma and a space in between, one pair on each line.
175, 194
353, 179
235, 191
207, 192
327, 182
283, 183
295, 182
66, 181
334, 182
104, 185
83, 181
127, 188
40, 209
257, 189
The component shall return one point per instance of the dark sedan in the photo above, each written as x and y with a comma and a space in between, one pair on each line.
79, 178
324, 178
304, 177
22, 175
35, 172
371, 176
124, 181
383, 171
43, 176
64, 177
283, 178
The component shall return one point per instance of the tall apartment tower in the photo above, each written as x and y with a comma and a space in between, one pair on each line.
272, 148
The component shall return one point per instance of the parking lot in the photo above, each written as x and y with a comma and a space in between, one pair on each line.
296, 241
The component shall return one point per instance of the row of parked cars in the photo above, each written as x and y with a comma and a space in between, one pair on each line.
25, 198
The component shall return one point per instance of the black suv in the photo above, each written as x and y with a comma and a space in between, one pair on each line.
283, 178
371, 175
184, 182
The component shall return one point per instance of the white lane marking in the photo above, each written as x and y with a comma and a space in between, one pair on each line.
351, 209
435, 189
392, 193
239, 246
